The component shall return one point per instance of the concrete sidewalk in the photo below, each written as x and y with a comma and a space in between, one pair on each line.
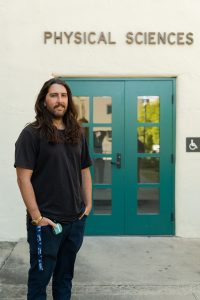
138, 268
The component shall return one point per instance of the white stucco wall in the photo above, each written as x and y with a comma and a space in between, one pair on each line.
26, 63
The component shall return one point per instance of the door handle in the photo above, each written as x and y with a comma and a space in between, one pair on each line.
118, 161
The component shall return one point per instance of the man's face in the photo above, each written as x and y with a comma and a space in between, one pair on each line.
56, 100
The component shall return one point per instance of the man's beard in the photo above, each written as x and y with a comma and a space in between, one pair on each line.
57, 115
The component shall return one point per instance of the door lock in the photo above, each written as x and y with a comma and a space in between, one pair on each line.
118, 161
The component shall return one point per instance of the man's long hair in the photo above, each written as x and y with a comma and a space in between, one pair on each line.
44, 122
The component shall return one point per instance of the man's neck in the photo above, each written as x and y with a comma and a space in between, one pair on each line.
58, 123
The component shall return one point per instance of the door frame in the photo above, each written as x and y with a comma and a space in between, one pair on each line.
173, 81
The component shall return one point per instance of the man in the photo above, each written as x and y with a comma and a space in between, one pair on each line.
52, 164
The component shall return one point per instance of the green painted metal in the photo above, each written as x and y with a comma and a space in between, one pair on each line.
124, 92
153, 224
113, 223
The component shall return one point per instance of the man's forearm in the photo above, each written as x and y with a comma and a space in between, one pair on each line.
87, 188
28, 196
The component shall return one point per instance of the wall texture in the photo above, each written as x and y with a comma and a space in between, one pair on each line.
26, 62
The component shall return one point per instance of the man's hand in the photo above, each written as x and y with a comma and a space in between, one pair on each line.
46, 221
86, 212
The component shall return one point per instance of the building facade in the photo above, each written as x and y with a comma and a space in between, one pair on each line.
133, 68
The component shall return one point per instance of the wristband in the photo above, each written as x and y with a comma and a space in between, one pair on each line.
36, 221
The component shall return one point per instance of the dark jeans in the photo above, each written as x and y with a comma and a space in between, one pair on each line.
58, 256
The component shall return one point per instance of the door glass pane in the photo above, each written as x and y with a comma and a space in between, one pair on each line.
148, 109
148, 170
82, 107
148, 139
102, 170
102, 109
148, 201
102, 140
102, 201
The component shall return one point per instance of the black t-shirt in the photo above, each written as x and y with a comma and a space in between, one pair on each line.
56, 177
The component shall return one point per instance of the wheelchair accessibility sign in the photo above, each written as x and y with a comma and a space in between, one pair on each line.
193, 144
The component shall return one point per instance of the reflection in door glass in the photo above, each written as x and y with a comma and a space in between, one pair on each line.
148, 139
148, 170
82, 107
102, 140
148, 201
102, 109
148, 109
102, 170
102, 201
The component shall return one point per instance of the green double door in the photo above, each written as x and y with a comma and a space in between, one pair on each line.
129, 127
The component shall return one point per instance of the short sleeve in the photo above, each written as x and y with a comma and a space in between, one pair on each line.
85, 156
26, 150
